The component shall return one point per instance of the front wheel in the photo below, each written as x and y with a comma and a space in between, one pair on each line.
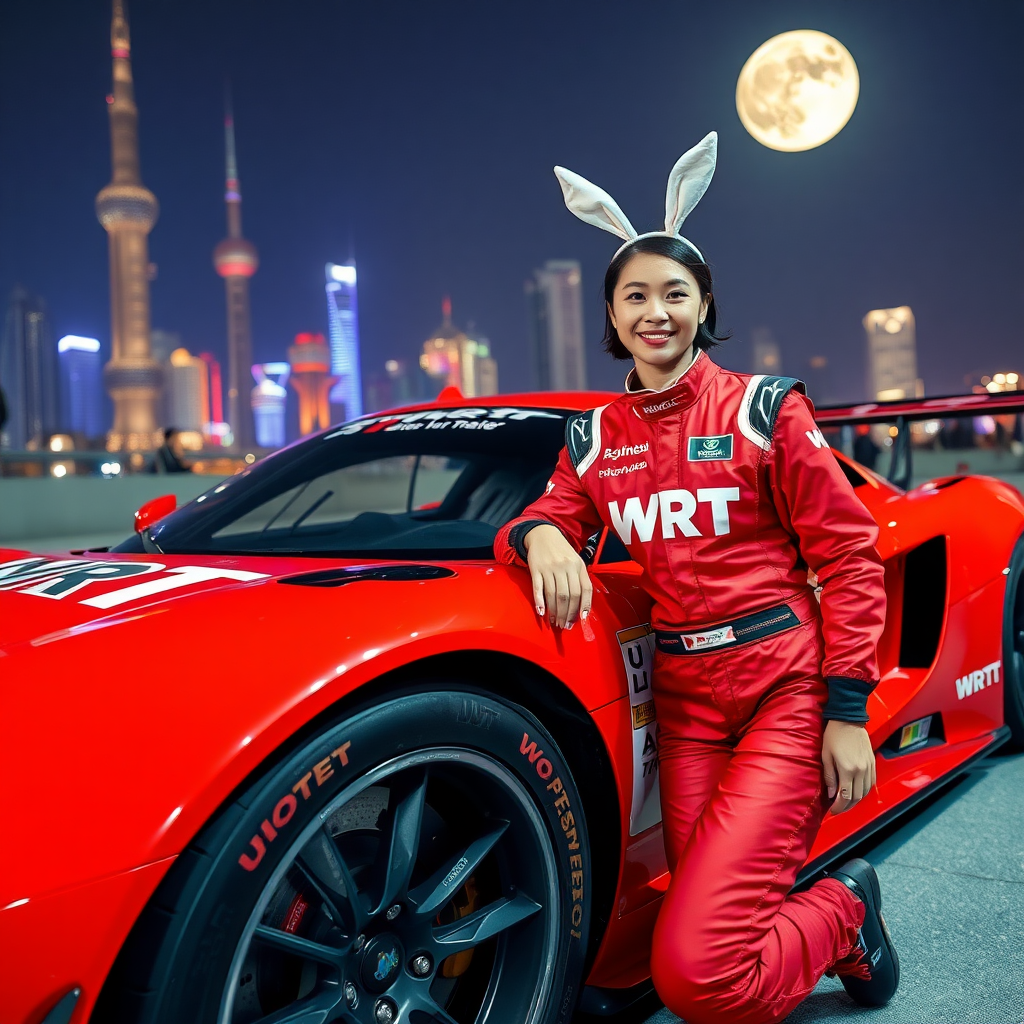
423, 860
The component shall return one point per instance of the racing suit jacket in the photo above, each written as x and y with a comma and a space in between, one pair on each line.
725, 492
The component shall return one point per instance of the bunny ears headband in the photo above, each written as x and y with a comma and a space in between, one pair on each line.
687, 183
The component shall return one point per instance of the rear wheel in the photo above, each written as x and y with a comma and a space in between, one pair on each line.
424, 860
1013, 646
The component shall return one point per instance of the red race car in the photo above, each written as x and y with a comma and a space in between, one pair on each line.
301, 751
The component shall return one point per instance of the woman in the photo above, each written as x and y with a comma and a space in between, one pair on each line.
726, 493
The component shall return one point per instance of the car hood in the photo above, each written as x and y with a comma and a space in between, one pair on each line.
45, 598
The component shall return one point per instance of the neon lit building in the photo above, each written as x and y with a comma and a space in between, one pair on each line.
346, 396
310, 359
892, 354
81, 385
186, 393
269, 399
216, 430
453, 359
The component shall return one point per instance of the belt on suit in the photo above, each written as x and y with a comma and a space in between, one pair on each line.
727, 634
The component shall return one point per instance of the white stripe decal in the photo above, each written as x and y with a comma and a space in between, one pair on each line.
743, 419
595, 442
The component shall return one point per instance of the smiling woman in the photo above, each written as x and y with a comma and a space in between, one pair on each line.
680, 268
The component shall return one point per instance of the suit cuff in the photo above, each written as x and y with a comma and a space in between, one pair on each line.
518, 533
847, 700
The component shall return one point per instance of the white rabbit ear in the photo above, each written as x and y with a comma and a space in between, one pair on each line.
689, 181
593, 205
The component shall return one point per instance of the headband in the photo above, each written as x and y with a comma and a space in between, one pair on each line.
687, 183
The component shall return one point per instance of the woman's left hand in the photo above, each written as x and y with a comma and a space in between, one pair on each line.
849, 763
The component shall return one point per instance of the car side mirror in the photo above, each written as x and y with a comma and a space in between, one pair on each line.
153, 510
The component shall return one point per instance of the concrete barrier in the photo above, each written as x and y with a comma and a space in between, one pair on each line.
46, 507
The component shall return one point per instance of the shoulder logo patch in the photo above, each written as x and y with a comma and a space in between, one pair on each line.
706, 449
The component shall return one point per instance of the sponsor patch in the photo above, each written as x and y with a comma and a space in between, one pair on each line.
709, 638
915, 732
706, 449
637, 646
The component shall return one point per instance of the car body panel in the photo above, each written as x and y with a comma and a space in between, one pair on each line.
155, 715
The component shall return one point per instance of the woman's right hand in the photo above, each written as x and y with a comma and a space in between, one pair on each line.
561, 585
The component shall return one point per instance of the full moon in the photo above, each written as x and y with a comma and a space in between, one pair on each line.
797, 90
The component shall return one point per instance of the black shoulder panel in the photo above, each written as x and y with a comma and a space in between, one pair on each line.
766, 401
579, 436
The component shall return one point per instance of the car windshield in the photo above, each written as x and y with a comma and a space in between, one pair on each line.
431, 484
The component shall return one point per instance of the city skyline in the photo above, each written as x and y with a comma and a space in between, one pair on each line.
802, 243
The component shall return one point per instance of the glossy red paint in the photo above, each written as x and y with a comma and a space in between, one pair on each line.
154, 509
126, 723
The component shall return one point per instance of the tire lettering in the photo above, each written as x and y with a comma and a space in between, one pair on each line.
249, 863
568, 822
285, 808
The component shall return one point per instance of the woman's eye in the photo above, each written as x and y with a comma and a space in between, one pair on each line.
677, 295
635, 295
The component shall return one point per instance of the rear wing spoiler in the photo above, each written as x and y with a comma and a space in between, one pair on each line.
988, 404
905, 411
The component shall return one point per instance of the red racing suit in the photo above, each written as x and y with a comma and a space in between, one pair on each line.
726, 493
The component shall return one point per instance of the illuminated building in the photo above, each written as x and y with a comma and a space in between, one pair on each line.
28, 371
766, 352
216, 431
555, 310
128, 210
236, 261
81, 385
892, 354
186, 394
343, 323
310, 359
452, 359
269, 399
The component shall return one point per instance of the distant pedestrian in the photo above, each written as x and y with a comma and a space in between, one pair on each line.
169, 457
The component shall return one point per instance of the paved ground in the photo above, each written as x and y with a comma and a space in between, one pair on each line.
953, 890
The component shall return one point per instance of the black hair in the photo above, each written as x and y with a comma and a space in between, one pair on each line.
684, 254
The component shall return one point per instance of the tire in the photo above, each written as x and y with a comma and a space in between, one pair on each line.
453, 819
1013, 647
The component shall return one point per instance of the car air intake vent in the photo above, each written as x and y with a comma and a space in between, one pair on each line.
946, 481
356, 573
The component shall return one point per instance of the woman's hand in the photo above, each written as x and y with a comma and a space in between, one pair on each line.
849, 763
561, 586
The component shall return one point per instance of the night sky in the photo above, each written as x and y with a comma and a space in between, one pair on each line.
419, 137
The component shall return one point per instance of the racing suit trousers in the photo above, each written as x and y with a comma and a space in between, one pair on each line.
743, 796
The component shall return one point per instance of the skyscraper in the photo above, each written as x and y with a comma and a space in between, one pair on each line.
81, 385
187, 393
236, 261
269, 400
128, 210
310, 359
453, 359
343, 324
555, 311
28, 371
892, 354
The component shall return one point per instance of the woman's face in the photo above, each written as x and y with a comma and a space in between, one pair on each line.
656, 308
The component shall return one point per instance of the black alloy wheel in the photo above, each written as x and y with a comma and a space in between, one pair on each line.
424, 860
1013, 646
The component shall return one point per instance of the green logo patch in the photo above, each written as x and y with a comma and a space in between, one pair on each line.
704, 449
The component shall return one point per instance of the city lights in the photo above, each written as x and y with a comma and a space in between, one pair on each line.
73, 343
